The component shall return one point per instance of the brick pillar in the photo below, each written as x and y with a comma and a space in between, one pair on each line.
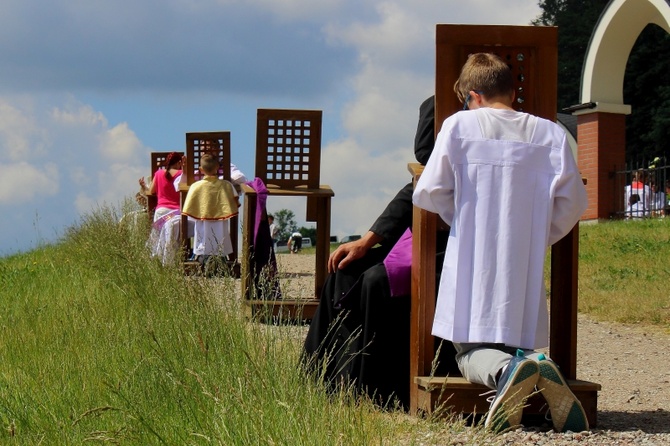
601, 141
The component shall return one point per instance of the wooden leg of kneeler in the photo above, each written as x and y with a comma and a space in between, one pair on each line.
246, 284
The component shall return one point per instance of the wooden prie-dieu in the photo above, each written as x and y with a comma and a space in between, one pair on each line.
288, 161
531, 52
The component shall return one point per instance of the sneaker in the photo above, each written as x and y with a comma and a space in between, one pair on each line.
567, 412
514, 386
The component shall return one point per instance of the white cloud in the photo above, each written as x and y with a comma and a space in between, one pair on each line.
69, 161
119, 143
109, 187
21, 182
102, 84
298, 10
76, 114
21, 137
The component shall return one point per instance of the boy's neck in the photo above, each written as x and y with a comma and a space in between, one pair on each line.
500, 106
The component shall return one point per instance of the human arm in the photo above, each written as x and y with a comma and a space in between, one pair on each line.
183, 180
148, 190
348, 252
386, 230
434, 190
570, 200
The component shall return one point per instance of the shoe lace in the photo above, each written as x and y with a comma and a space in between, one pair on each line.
492, 396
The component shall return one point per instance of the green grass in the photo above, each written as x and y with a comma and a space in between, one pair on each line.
101, 344
624, 271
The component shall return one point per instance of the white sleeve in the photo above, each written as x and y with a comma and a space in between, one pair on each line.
434, 191
570, 200
236, 175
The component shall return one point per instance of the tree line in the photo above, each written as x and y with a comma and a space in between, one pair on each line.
647, 77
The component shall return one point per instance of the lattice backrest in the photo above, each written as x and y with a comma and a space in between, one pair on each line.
288, 148
530, 51
158, 160
199, 143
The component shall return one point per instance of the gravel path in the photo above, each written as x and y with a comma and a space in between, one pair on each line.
629, 362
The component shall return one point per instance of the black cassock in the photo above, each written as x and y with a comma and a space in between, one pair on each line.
360, 334
361, 330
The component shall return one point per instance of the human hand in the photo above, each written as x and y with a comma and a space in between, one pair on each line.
347, 253
143, 184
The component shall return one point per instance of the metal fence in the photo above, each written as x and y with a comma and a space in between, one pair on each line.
642, 189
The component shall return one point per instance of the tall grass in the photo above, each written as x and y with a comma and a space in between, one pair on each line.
100, 343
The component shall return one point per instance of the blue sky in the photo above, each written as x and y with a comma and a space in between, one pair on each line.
89, 88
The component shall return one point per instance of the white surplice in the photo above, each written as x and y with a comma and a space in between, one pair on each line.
508, 185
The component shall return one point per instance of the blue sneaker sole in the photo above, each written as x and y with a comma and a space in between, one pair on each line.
567, 413
507, 407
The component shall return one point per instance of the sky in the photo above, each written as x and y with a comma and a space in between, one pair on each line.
89, 88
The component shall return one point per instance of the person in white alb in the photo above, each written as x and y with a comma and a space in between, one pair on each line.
507, 184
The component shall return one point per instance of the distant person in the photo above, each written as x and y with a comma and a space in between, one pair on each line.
508, 186
295, 242
162, 185
637, 196
165, 230
658, 202
211, 202
274, 230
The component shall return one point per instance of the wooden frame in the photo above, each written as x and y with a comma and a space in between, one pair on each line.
539, 48
288, 160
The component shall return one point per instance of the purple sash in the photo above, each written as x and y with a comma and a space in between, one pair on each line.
264, 262
398, 264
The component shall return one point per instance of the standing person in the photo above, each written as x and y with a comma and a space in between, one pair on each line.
657, 199
274, 230
295, 242
162, 185
508, 186
211, 202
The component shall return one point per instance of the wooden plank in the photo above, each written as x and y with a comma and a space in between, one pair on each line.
456, 394
280, 310
249, 211
563, 303
424, 229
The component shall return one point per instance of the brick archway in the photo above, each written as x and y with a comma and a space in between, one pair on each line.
601, 116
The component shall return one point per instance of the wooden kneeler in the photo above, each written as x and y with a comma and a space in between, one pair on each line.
531, 52
288, 160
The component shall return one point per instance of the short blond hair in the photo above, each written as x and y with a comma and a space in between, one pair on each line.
209, 164
486, 73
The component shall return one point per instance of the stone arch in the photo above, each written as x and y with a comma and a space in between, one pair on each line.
601, 95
